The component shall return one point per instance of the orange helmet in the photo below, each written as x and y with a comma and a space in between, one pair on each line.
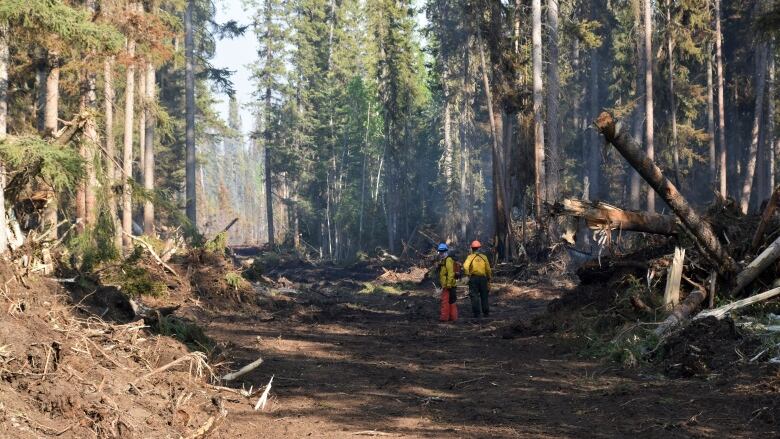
476, 244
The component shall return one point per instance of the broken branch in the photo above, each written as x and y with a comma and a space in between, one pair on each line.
722, 311
243, 371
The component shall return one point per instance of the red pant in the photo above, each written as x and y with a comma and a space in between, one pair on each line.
449, 311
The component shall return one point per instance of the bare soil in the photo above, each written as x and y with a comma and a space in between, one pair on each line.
352, 364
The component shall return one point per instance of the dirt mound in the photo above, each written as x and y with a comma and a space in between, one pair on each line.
68, 373
706, 346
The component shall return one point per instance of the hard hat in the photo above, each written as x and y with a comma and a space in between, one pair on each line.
476, 244
443, 247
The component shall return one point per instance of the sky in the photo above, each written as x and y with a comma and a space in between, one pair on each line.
238, 53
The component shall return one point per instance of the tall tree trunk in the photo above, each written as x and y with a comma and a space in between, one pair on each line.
713, 159
148, 163
50, 125
772, 137
649, 125
111, 163
672, 98
750, 167
554, 164
363, 178
4, 60
594, 144
539, 156
722, 159
499, 186
141, 92
127, 150
189, 86
635, 185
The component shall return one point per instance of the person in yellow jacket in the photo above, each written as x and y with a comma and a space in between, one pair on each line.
477, 267
449, 310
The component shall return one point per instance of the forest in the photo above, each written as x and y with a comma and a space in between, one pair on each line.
615, 160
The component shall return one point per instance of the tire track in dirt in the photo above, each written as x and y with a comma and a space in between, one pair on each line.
380, 365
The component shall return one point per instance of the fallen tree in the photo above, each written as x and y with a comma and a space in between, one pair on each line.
722, 311
620, 137
598, 214
766, 216
682, 312
756, 267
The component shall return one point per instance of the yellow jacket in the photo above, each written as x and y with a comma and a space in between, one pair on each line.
447, 272
477, 264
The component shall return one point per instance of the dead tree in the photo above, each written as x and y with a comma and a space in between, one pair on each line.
598, 214
620, 137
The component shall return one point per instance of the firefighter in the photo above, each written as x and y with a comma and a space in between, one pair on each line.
447, 269
477, 267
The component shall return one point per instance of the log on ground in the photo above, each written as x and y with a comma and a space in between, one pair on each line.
598, 214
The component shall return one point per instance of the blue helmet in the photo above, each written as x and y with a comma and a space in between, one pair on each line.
443, 247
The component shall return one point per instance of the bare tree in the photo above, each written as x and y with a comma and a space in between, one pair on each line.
750, 167
112, 170
539, 156
721, 103
4, 59
148, 162
189, 86
635, 185
127, 149
553, 90
711, 121
648, 10
672, 98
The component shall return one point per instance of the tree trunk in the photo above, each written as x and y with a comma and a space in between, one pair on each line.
598, 214
619, 137
554, 160
757, 266
127, 150
539, 153
682, 312
594, 144
4, 61
635, 186
713, 159
770, 114
148, 163
649, 125
672, 98
89, 147
189, 86
499, 185
40, 81
722, 160
111, 167
51, 111
750, 167
141, 121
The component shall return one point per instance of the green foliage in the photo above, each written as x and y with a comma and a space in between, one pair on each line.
30, 158
137, 281
75, 27
218, 244
95, 245
185, 331
235, 280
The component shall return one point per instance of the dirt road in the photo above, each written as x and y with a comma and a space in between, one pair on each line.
379, 364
